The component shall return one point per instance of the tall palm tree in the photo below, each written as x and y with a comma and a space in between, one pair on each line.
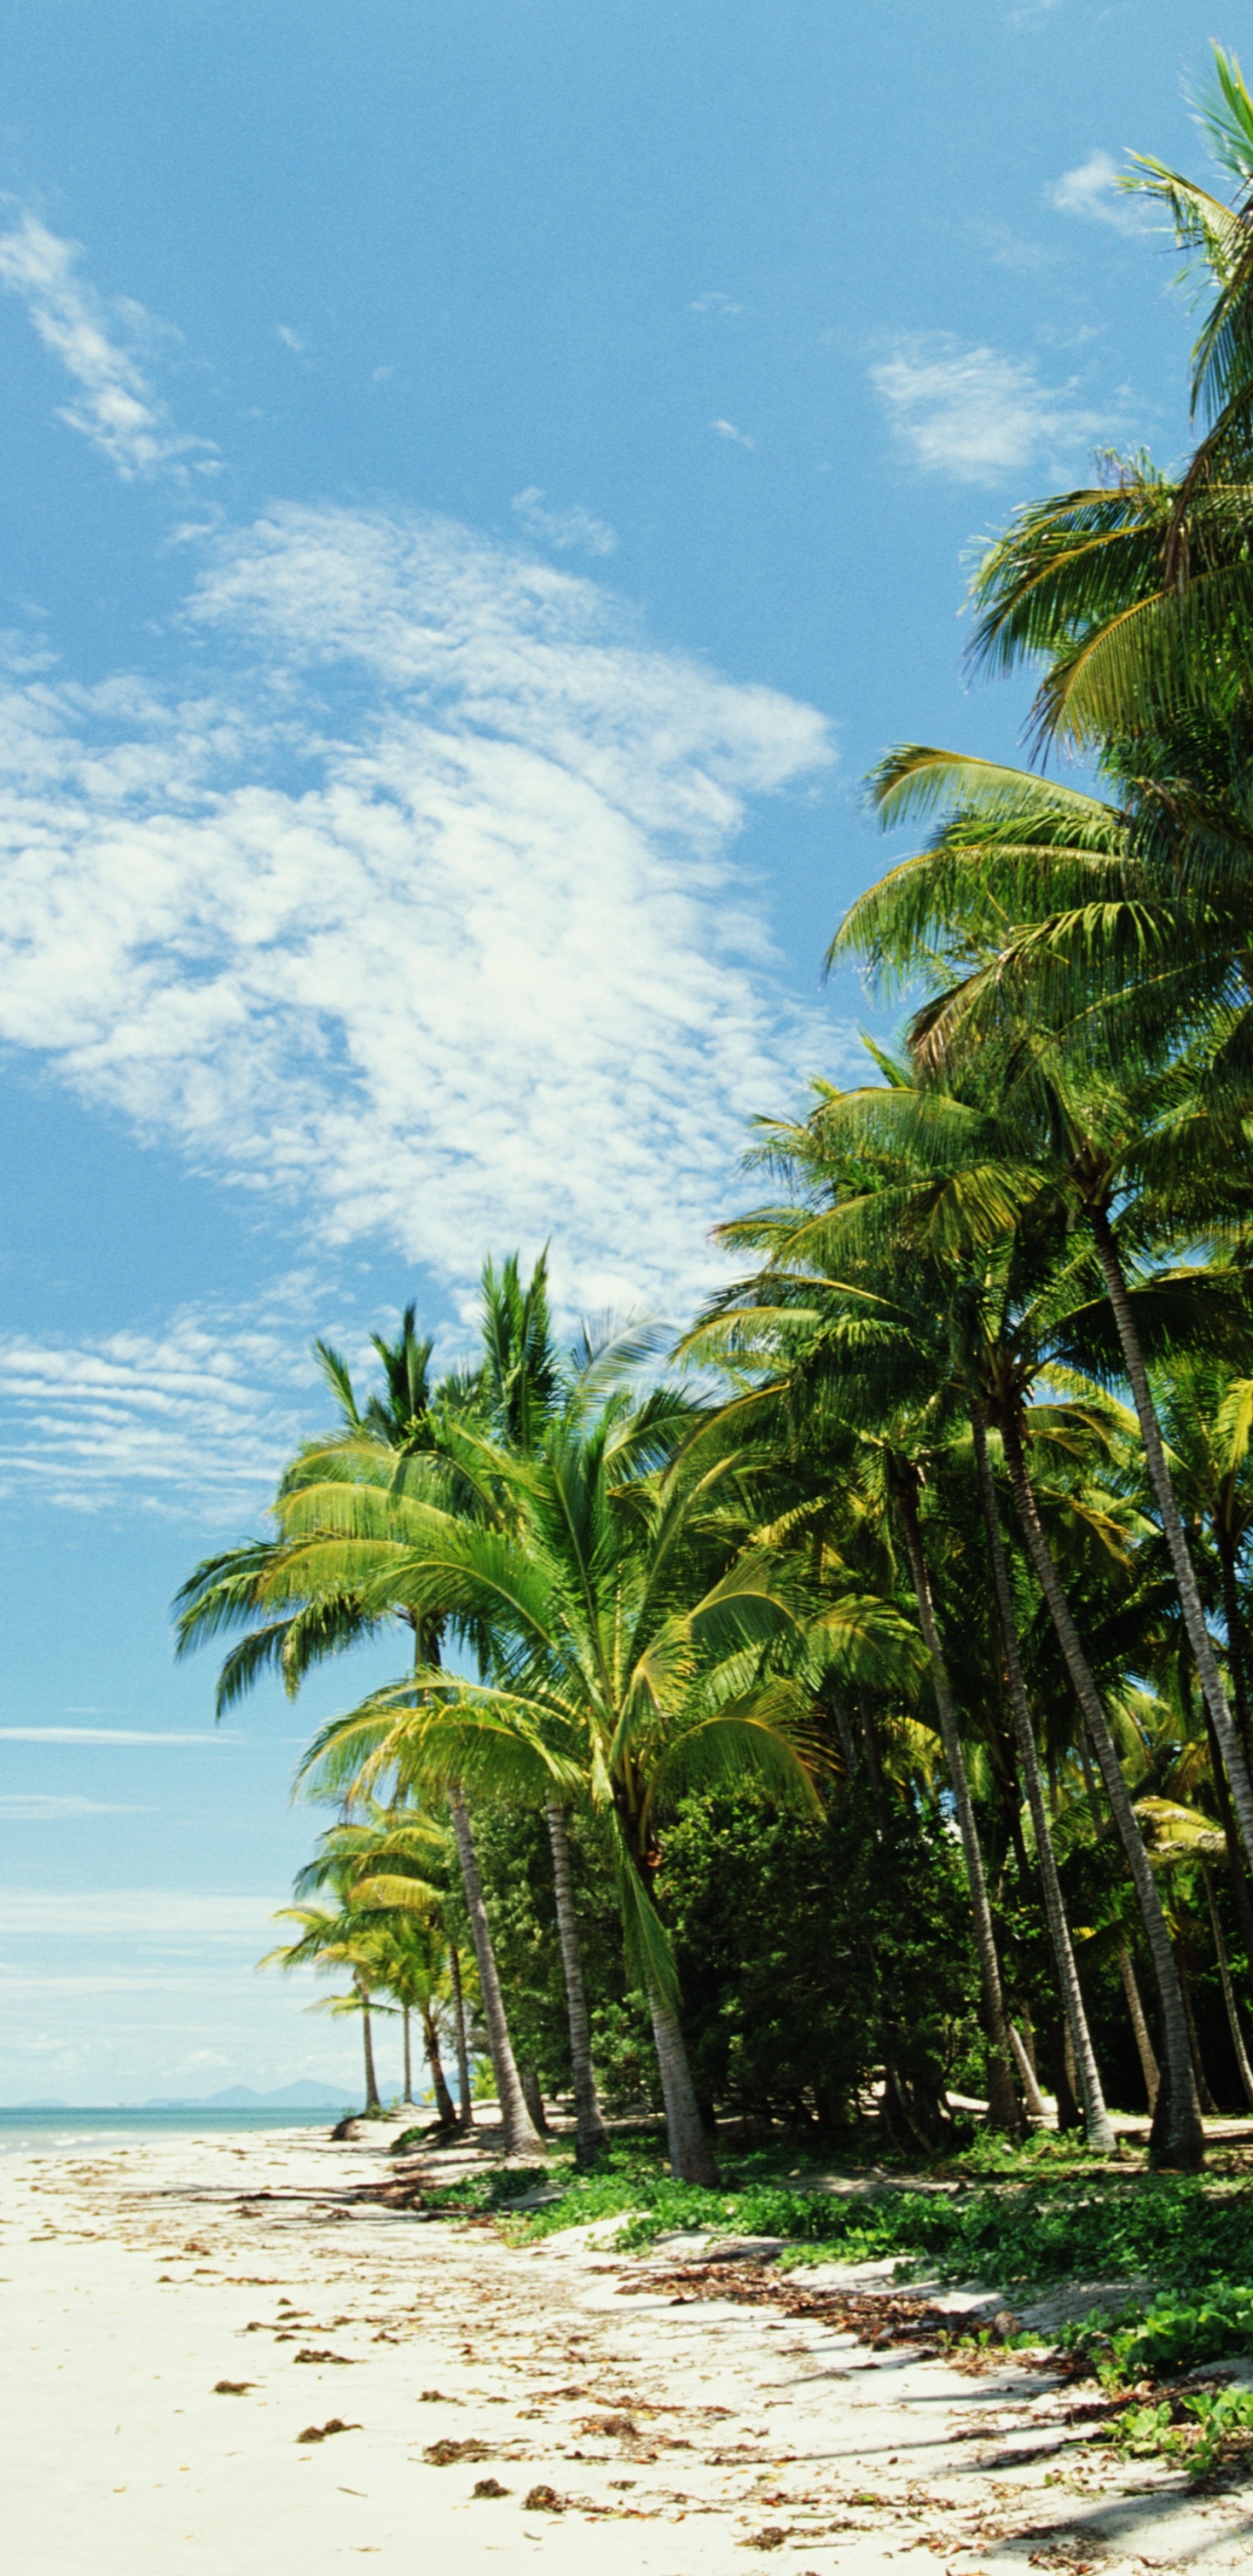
1125, 1153
325, 1584
1136, 594
414, 1957
841, 1340
327, 1939
633, 1635
953, 1191
522, 1387
393, 1863
1185, 1832
870, 1210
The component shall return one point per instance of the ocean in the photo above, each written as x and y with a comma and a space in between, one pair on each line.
26, 2132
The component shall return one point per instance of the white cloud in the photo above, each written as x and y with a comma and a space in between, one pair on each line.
975, 415
99, 345
567, 530
422, 911
727, 429
290, 339
33, 1808
1092, 190
191, 1411
714, 302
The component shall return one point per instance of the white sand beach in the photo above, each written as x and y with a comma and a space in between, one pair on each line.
178, 2313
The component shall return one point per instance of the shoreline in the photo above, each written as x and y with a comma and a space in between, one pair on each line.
223, 2351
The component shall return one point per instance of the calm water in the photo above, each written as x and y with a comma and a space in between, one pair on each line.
26, 2132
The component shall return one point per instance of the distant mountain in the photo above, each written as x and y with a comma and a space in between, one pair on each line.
308, 2094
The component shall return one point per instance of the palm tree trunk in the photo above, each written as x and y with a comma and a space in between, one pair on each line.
532, 2095
1068, 2113
522, 2138
1177, 2138
1144, 2045
1100, 2135
1243, 2068
874, 1760
465, 2115
1204, 2095
692, 2158
1003, 2112
1030, 2084
372, 2102
1234, 1625
590, 2138
1180, 1556
408, 2057
848, 1741
1235, 1857
443, 2098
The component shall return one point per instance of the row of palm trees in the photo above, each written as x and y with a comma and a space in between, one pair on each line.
380, 1915
953, 1490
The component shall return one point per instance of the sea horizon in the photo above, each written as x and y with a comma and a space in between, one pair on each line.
26, 2128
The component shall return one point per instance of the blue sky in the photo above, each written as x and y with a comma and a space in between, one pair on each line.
482, 484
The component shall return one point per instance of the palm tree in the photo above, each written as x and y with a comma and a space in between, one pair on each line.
1136, 593
1206, 1415
522, 1388
1128, 1157
864, 1206
840, 1339
327, 1939
632, 1636
1184, 1833
1097, 2124
324, 1585
394, 1865
415, 1971
947, 1189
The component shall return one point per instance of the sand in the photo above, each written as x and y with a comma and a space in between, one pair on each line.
140, 2276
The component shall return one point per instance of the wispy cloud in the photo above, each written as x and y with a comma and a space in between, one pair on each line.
483, 977
1092, 189
977, 416
568, 530
200, 1411
714, 302
1008, 249
727, 429
291, 339
99, 344
35, 1809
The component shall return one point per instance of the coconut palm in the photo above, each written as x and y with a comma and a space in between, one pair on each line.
639, 1649
522, 1385
323, 1585
327, 1939
1180, 1833
868, 1210
394, 1863
1136, 594
344, 1507
1126, 1153
945, 1191
845, 1344
414, 1958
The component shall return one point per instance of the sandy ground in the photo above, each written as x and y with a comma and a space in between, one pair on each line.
178, 2312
